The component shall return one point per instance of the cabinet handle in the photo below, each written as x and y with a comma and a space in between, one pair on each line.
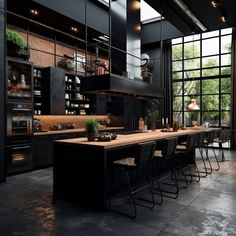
19, 148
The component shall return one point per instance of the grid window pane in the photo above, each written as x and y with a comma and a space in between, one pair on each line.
212, 117
226, 44
226, 70
210, 72
225, 102
177, 75
191, 87
210, 46
225, 85
210, 102
210, 61
177, 52
177, 103
210, 34
225, 118
192, 64
177, 89
226, 59
210, 86
189, 117
191, 49
177, 65
191, 74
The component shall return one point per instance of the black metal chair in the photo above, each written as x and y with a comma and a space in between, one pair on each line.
141, 164
208, 143
185, 153
224, 137
168, 185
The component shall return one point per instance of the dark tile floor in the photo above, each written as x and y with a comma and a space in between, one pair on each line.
204, 208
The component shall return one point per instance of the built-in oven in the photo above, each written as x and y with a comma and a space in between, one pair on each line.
19, 123
19, 137
19, 158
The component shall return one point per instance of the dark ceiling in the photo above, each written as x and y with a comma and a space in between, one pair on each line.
209, 16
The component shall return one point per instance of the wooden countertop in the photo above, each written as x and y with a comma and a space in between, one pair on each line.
66, 131
123, 140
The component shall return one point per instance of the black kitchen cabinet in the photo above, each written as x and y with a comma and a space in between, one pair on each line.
54, 87
43, 148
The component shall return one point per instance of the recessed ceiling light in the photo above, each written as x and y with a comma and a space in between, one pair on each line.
74, 29
34, 12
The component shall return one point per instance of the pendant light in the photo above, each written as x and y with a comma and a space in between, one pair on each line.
193, 106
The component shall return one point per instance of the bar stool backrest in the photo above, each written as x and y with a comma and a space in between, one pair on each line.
200, 139
225, 136
191, 141
145, 153
210, 136
169, 148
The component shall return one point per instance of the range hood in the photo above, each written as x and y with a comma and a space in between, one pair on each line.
116, 85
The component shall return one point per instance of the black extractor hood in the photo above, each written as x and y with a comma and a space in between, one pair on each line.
116, 85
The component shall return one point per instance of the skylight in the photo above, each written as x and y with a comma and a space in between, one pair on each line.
148, 14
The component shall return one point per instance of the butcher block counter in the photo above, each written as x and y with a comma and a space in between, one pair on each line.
82, 169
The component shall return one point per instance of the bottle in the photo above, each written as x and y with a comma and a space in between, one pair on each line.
141, 124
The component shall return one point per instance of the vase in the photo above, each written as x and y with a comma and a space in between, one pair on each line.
153, 125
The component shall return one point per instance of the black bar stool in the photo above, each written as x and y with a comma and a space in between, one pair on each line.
165, 157
224, 137
209, 141
184, 153
141, 164
200, 146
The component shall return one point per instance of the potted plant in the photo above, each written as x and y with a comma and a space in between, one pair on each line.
91, 127
16, 45
152, 116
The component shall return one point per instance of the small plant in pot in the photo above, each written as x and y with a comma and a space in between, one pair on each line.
91, 127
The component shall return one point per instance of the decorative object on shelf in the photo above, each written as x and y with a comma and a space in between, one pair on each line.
16, 45
106, 136
67, 63
146, 67
91, 128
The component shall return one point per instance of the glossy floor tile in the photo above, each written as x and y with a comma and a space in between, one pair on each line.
27, 208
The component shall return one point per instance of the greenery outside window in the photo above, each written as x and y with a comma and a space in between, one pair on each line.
208, 82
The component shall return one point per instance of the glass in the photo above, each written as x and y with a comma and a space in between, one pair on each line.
210, 34
191, 87
225, 85
177, 40
177, 88
210, 46
192, 64
225, 102
188, 49
210, 72
191, 74
226, 59
226, 44
226, 70
210, 86
225, 118
226, 31
177, 51
177, 75
210, 61
177, 65
211, 117
177, 103
210, 102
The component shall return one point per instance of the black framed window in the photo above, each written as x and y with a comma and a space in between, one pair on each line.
201, 69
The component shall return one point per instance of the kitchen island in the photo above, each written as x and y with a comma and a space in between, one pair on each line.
82, 169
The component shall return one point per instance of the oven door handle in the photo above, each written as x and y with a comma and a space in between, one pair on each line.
21, 109
19, 148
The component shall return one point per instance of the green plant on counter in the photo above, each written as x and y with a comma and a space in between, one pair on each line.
91, 128
152, 117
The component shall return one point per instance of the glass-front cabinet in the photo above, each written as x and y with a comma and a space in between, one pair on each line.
19, 81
